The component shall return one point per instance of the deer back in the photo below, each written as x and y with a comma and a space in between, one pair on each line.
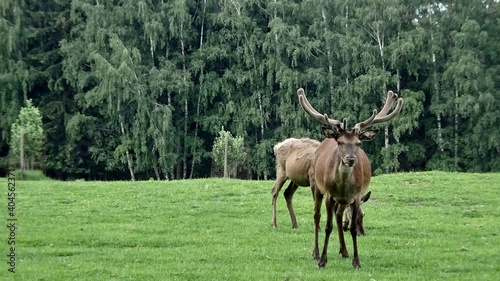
296, 157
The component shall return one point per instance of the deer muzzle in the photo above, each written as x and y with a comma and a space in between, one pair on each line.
350, 160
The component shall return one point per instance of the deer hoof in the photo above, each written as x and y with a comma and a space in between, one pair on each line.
315, 254
322, 263
344, 254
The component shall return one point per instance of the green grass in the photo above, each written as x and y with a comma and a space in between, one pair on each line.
420, 226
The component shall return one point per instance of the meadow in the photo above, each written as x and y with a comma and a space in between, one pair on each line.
419, 226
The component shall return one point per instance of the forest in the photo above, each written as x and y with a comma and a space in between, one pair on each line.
133, 90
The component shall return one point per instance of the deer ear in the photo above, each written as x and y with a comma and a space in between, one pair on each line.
330, 132
368, 135
366, 197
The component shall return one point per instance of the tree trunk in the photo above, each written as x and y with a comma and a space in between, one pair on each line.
380, 41
186, 106
226, 172
152, 50
436, 93
21, 152
456, 130
440, 132
127, 154
330, 64
199, 94
155, 166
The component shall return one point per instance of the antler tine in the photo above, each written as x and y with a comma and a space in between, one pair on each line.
323, 118
393, 114
359, 126
382, 115
391, 97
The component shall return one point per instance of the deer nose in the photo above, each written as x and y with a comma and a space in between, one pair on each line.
350, 160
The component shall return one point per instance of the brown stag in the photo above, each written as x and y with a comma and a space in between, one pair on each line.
342, 171
294, 159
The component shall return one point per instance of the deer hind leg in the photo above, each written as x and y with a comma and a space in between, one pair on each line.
328, 231
345, 224
289, 191
318, 199
355, 207
360, 216
278, 184
339, 211
359, 220
360, 229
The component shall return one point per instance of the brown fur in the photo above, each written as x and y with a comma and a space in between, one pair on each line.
342, 185
294, 159
342, 171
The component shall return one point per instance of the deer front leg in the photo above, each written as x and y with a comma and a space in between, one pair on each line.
339, 211
354, 233
328, 231
289, 191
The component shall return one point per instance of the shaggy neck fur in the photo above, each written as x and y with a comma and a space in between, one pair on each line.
344, 179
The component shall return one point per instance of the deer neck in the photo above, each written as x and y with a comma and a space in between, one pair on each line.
345, 174
344, 189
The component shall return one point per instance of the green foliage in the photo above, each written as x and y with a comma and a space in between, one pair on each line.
27, 127
13, 71
419, 226
390, 159
228, 152
30, 175
140, 89
263, 164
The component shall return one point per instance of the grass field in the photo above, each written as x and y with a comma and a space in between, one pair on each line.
420, 226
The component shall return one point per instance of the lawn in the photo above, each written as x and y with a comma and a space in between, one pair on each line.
419, 226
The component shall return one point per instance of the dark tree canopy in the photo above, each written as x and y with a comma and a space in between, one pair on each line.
140, 89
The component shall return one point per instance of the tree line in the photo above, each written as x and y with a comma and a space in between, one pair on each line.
140, 89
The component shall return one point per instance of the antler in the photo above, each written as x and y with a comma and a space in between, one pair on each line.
323, 118
382, 116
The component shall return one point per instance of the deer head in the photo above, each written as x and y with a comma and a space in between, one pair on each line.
348, 140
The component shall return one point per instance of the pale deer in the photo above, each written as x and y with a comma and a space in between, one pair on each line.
294, 159
342, 172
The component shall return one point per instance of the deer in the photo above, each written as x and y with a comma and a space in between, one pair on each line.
294, 159
342, 172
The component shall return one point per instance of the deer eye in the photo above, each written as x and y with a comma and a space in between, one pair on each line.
340, 142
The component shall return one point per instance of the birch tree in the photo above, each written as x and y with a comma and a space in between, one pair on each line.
27, 137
